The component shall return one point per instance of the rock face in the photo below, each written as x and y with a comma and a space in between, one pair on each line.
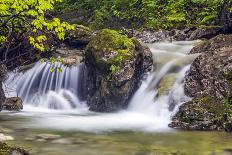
13, 104
209, 83
115, 66
207, 75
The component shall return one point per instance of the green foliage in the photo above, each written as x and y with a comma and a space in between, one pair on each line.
155, 14
30, 19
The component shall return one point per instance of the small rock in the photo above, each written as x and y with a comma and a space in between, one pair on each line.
48, 136
13, 104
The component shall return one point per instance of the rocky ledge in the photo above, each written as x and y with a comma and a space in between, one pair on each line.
115, 66
209, 83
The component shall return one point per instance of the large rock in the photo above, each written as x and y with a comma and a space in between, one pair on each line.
207, 74
115, 66
209, 83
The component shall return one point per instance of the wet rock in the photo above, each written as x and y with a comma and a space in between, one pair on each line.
204, 114
205, 33
13, 104
180, 35
209, 83
48, 136
221, 41
115, 66
165, 85
25, 68
4, 137
208, 73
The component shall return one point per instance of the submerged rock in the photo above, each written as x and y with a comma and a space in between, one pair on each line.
13, 104
48, 136
209, 83
115, 66
166, 84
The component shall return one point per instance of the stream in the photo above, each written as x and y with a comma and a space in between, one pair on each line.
55, 121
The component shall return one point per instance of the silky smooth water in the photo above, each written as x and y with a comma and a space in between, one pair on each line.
52, 106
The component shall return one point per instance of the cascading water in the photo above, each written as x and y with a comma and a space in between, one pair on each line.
47, 87
149, 109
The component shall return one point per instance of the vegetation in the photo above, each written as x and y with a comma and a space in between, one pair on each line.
25, 21
155, 14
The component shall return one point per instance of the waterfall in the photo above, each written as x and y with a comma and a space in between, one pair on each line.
150, 109
45, 86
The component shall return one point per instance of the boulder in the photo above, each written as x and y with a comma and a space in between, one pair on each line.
115, 66
209, 83
204, 114
13, 104
208, 72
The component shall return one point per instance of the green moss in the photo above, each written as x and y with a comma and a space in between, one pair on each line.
111, 48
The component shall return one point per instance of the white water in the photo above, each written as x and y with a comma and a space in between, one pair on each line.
54, 96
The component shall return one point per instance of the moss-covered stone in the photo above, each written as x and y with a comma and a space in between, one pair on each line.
115, 67
204, 114
7, 150
111, 49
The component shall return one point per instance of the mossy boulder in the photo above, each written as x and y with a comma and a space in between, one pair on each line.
8, 150
204, 114
115, 66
